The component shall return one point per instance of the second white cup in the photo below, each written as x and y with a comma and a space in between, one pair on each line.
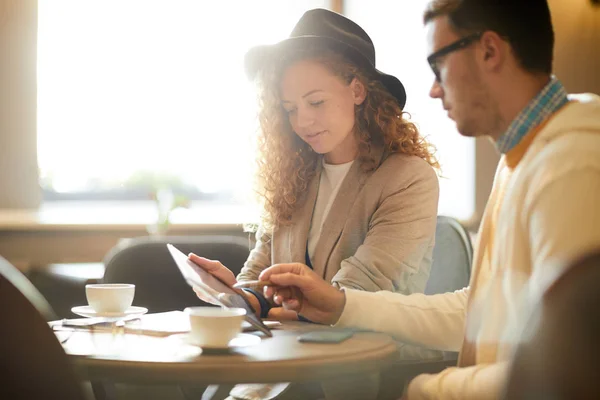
214, 326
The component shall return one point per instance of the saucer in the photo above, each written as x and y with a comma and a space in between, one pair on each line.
241, 340
88, 311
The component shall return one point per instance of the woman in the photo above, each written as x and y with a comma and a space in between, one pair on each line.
348, 184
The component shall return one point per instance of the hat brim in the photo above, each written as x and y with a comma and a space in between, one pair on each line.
258, 57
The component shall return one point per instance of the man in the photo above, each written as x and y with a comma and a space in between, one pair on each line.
492, 60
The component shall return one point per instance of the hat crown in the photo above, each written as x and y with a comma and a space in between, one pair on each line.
334, 31
325, 23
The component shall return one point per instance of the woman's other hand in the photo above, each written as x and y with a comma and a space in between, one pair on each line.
224, 274
281, 314
215, 268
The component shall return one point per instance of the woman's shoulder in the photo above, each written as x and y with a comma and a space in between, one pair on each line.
406, 168
406, 175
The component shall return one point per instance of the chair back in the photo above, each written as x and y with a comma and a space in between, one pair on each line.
33, 364
452, 257
15, 277
147, 263
557, 357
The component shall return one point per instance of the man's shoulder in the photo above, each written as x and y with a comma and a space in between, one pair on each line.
563, 158
570, 140
580, 114
572, 150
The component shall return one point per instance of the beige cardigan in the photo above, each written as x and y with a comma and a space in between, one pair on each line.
378, 235
549, 214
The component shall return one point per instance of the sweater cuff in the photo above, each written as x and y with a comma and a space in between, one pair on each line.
353, 308
265, 307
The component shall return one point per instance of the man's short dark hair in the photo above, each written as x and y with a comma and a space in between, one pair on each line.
525, 24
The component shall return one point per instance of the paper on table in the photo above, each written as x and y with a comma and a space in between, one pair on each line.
158, 324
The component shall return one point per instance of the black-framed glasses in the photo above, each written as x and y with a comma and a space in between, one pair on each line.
433, 59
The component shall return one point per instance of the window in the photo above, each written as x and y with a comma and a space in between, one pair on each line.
133, 93
136, 93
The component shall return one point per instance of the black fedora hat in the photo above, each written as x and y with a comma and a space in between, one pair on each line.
320, 27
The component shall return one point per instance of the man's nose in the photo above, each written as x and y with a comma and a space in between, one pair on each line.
436, 90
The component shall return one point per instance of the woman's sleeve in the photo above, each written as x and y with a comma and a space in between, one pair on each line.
400, 236
259, 258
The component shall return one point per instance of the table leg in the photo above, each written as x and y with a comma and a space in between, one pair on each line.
104, 390
210, 392
217, 392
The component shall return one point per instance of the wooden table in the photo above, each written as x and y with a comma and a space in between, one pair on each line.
131, 358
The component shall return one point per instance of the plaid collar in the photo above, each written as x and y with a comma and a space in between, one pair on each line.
552, 97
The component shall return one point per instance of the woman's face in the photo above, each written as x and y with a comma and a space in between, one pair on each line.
320, 108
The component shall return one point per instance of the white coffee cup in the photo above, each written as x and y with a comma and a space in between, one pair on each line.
110, 297
214, 326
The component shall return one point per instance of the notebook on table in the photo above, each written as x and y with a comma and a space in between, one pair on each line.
158, 324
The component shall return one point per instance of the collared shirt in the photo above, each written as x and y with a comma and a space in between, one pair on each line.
552, 97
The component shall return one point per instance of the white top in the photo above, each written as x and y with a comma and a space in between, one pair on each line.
331, 180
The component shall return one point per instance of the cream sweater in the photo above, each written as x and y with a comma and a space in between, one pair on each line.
544, 211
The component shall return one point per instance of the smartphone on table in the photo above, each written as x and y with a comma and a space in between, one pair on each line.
326, 336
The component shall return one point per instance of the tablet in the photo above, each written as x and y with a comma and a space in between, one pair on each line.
212, 287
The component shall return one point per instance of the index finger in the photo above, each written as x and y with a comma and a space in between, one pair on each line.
252, 284
278, 269
287, 279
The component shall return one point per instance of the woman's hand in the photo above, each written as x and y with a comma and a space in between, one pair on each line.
224, 274
299, 289
215, 268
281, 314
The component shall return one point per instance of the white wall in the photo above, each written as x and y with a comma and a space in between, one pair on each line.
18, 150
577, 50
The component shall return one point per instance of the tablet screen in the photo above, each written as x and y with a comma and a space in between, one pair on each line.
214, 288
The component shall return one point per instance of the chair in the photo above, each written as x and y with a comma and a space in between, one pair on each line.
63, 285
450, 271
146, 262
452, 257
559, 351
33, 363
451, 267
20, 282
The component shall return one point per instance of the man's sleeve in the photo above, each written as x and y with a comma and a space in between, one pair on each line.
436, 322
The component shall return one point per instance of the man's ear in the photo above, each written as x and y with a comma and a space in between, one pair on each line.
495, 50
359, 91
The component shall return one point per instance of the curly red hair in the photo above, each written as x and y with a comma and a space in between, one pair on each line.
286, 164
